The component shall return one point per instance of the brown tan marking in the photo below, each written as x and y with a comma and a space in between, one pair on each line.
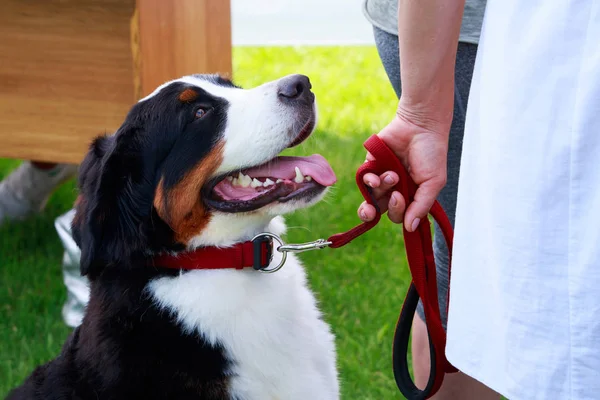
79, 205
181, 206
188, 95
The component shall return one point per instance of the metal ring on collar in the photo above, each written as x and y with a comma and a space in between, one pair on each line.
283, 253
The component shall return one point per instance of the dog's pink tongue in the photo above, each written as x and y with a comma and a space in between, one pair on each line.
315, 166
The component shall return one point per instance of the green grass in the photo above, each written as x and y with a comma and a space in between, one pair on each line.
360, 287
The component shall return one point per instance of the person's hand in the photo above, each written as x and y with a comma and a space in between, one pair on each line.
423, 152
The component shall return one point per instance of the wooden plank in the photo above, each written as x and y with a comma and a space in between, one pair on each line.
65, 75
71, 69
183, 37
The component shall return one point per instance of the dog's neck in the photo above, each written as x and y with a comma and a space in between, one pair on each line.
227, 229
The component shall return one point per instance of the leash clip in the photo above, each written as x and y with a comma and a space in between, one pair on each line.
302, 247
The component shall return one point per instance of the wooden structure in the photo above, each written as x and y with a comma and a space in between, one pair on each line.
71, 69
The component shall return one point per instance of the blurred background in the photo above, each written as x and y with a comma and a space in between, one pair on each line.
293, 22
70, 69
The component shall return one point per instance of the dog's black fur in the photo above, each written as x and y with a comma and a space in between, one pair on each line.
126, 347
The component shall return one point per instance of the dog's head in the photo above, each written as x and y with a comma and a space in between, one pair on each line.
196, 163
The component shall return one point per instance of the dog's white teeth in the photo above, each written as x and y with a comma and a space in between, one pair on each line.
229, 178
308, 178
235, 182
268, 182
256, 183
299, 177
244, 180
279, 181
242, 177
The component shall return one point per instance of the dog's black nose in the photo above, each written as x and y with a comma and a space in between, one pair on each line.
295, 87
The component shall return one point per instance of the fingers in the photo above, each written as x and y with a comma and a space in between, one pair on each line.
424, 198
388, 181
393, 202
366, 212
396, 208
372, 180
381, 184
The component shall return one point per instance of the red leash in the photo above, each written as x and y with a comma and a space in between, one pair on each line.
419, 252
258, 254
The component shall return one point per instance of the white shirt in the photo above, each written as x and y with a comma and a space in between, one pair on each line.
524, 314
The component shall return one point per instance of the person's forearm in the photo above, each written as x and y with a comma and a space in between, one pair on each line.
428, 33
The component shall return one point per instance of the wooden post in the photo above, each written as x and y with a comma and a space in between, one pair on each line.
182, 37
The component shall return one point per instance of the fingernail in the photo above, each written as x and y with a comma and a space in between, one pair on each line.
415, 224
394, 200
363, 215
388, 179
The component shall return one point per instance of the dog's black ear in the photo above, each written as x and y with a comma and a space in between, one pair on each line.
115, 198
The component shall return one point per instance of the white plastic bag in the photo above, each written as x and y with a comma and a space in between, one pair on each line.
78, 291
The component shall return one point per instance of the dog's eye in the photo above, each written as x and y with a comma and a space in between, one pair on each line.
201, 112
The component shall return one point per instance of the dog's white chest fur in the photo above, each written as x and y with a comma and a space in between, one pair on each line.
268, 324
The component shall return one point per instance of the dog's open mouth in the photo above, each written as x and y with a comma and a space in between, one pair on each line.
279, 180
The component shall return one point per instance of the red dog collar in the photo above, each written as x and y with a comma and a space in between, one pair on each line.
256, 254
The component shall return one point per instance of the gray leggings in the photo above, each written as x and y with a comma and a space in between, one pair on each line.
387, 46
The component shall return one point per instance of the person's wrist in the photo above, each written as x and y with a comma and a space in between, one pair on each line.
429, 117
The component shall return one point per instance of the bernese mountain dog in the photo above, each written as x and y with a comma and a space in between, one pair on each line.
196, 165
